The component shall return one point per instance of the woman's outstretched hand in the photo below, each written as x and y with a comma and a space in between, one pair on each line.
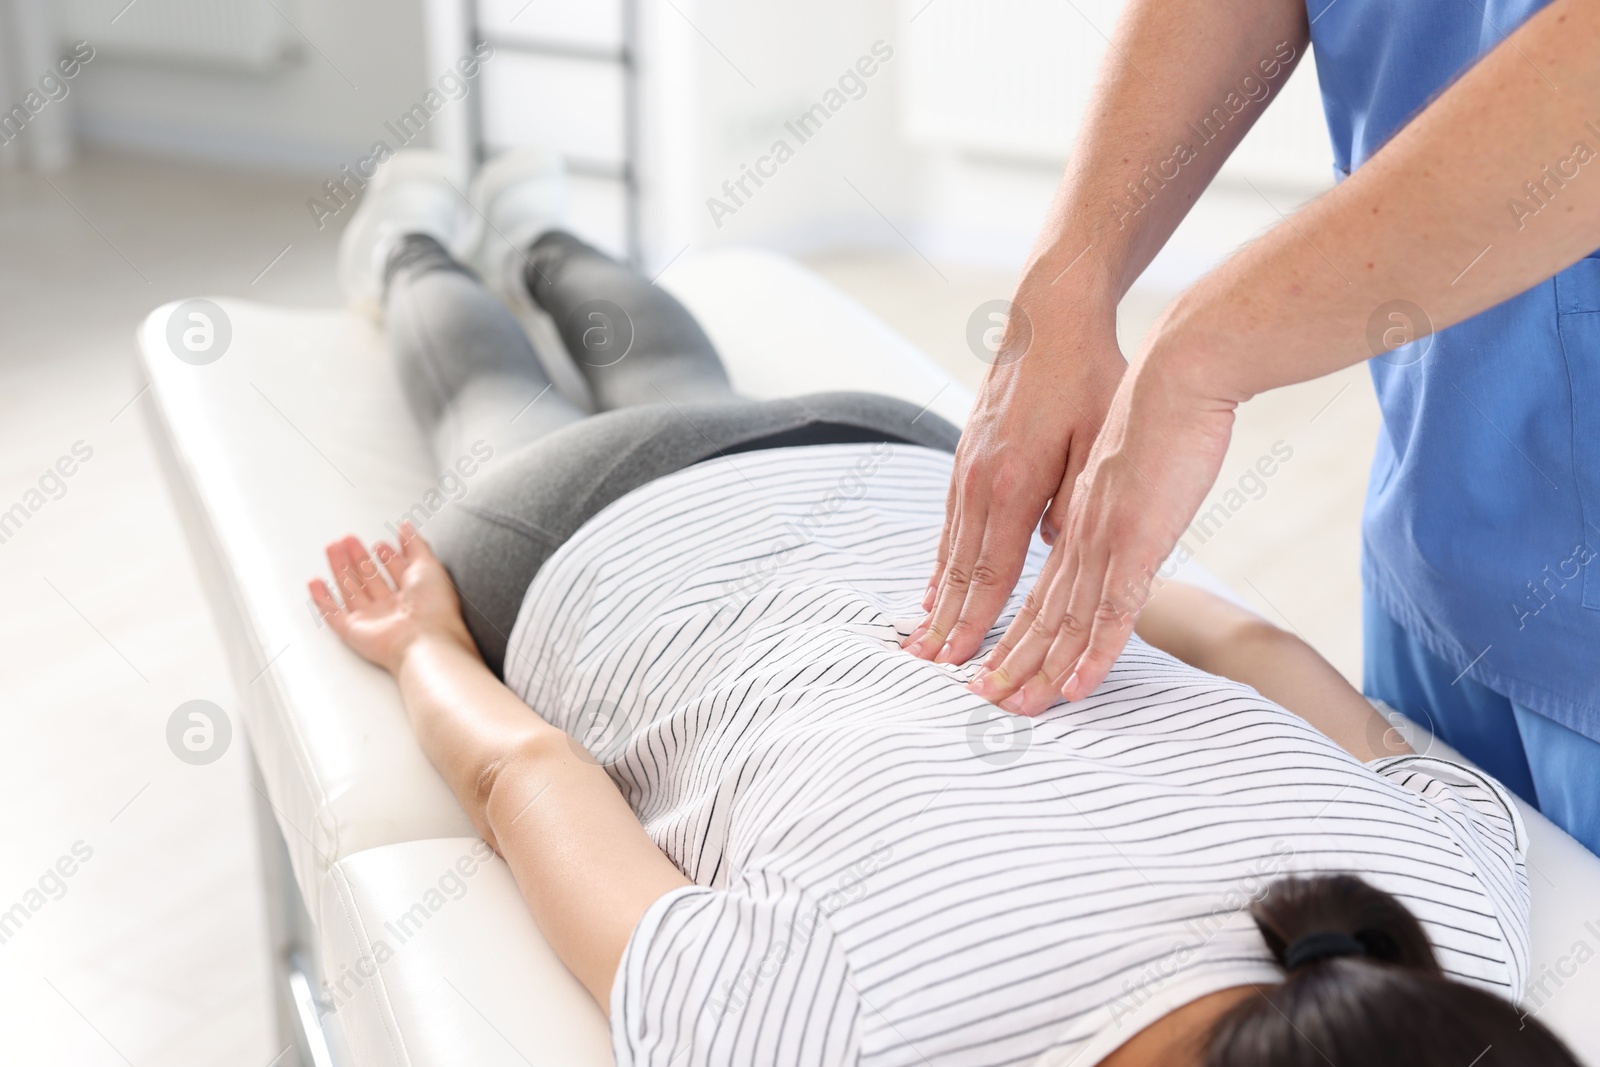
1038, 411
1156, 457
381, 622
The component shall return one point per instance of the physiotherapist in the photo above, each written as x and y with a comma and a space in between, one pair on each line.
1456, 254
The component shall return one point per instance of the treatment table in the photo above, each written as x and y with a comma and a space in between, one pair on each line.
398, 941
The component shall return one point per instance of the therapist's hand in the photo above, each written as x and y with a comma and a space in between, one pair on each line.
1156, 457
1037, 413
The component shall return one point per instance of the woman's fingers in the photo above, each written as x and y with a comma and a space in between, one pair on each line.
391, 560
326, 605
356, 574
369, 584
338, 554
412, 545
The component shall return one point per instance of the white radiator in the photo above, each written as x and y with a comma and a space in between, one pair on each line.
243, 35
1010, 79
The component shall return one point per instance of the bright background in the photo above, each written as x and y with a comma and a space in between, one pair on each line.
181, 162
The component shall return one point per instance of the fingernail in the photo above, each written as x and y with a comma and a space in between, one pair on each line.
927, 597
976, 684
944, 654
1013, 703
1070, 686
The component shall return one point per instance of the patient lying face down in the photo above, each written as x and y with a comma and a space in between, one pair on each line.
655, 653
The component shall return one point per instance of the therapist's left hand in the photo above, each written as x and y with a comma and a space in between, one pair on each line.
1156, 457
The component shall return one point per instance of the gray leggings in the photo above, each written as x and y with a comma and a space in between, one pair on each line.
473, 380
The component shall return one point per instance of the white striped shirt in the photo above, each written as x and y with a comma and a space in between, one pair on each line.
889, 870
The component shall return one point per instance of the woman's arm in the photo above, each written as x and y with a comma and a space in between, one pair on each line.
584, 864
1219, 637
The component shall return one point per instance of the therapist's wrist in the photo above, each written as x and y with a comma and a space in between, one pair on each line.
1062, 325
1197, 351
1069, 277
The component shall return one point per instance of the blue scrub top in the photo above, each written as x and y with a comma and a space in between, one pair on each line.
1483, 512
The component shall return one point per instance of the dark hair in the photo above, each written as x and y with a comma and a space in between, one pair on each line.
1362, 987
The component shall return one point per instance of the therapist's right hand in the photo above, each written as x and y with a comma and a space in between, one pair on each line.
1041, 404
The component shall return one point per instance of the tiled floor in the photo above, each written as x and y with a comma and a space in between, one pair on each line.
155, 950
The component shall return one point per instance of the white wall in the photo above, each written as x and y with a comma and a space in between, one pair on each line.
995, 92
360, 63
726, 76
954, 155
952, 150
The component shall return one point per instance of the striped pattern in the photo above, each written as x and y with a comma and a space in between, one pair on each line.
887, 869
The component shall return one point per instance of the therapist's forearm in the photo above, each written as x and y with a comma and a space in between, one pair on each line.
1428, 220
1181, 83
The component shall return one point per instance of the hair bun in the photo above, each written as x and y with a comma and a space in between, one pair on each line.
1305, 920
1389, 1005
1323, 945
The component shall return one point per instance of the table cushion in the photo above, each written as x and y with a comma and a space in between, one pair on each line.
297, 433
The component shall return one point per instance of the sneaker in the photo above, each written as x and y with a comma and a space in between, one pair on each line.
521, 195
411, 193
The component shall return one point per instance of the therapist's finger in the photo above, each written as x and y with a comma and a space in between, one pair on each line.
1123, 593
1032, 604
913, 641
1076, 622
952, 512
947, 536
1032, 637
965, 538
1044, 689
1055, 515
1001, 556
1062, 629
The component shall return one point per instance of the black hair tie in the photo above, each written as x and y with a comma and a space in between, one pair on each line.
1314, 948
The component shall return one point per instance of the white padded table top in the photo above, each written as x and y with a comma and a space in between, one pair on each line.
298, 434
